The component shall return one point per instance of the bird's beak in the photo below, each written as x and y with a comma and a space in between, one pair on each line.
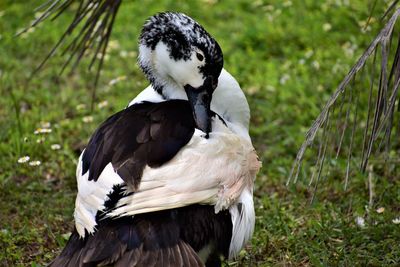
200, 101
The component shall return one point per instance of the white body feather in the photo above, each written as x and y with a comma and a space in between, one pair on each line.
91, 196
220, 168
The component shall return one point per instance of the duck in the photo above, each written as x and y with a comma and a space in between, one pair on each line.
169, 180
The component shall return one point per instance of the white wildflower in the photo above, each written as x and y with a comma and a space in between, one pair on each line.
106, 57
360, 221
42, 131
34, 163
396, 220
116, 80
87, 119
23, 159
327, 27
380, 210
315, 64
55, 147
284, 78
102, 104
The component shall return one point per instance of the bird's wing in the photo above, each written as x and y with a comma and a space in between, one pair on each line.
148, 240
144, 134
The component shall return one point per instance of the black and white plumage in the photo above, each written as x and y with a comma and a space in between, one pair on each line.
168, 181
155, 132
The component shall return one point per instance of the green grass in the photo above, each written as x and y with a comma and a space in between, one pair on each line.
288, 57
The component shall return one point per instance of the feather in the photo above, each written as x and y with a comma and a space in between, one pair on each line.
166, 238
127, 141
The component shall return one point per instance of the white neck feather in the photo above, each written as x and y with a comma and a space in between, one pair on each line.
169, 75
231, 104
228, 101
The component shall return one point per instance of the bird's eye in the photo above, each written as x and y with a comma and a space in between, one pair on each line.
199, 56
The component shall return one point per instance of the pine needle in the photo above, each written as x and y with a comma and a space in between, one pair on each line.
379, 120
88, 32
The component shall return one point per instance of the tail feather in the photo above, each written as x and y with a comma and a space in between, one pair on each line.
153, 240
181, 254
130, 258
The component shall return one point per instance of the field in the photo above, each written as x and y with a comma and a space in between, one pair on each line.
288, 56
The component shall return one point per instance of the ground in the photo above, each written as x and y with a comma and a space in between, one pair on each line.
288, 56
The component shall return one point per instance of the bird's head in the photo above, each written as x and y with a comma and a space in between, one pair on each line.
182, 61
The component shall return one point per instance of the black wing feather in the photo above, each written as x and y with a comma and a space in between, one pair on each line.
142, 134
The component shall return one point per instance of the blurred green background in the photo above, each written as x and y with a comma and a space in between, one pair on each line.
288, 56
